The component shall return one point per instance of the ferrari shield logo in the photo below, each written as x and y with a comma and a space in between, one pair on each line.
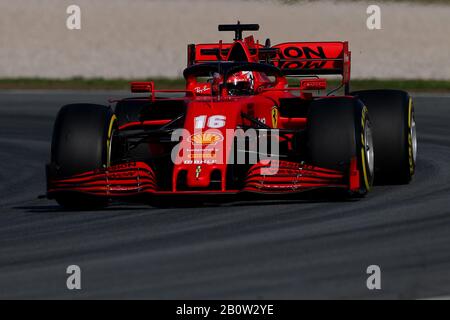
275, 117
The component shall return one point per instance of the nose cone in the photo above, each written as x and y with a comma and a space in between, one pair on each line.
202, 161
204, 176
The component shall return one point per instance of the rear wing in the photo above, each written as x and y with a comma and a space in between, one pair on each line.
293, 58
208, 52
321, 58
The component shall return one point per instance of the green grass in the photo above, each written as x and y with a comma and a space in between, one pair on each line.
165, 83
83, 84
445, 2
409, 85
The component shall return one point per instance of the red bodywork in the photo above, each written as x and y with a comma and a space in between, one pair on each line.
203, 169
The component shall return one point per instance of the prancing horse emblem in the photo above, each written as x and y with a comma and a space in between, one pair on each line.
198, 171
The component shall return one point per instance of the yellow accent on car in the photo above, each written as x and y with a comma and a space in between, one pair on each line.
275, 117
206, 138
198, 171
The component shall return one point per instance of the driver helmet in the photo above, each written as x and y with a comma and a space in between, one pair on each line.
241, 83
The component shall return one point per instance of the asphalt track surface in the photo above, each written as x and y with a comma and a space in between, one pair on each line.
250, 250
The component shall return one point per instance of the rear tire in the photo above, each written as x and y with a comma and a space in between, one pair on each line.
339, 130
394, 134
81, 142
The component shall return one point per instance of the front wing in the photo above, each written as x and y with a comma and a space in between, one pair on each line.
137, 178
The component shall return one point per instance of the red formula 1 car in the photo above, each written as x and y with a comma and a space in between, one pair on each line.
237, 128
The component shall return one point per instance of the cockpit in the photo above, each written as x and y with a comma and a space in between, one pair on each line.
231, 78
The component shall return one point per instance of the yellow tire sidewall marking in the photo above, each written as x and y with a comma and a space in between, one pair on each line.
108, 140
363, 153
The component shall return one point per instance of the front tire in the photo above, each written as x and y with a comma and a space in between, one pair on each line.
82, 141
339, 130
394, 130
